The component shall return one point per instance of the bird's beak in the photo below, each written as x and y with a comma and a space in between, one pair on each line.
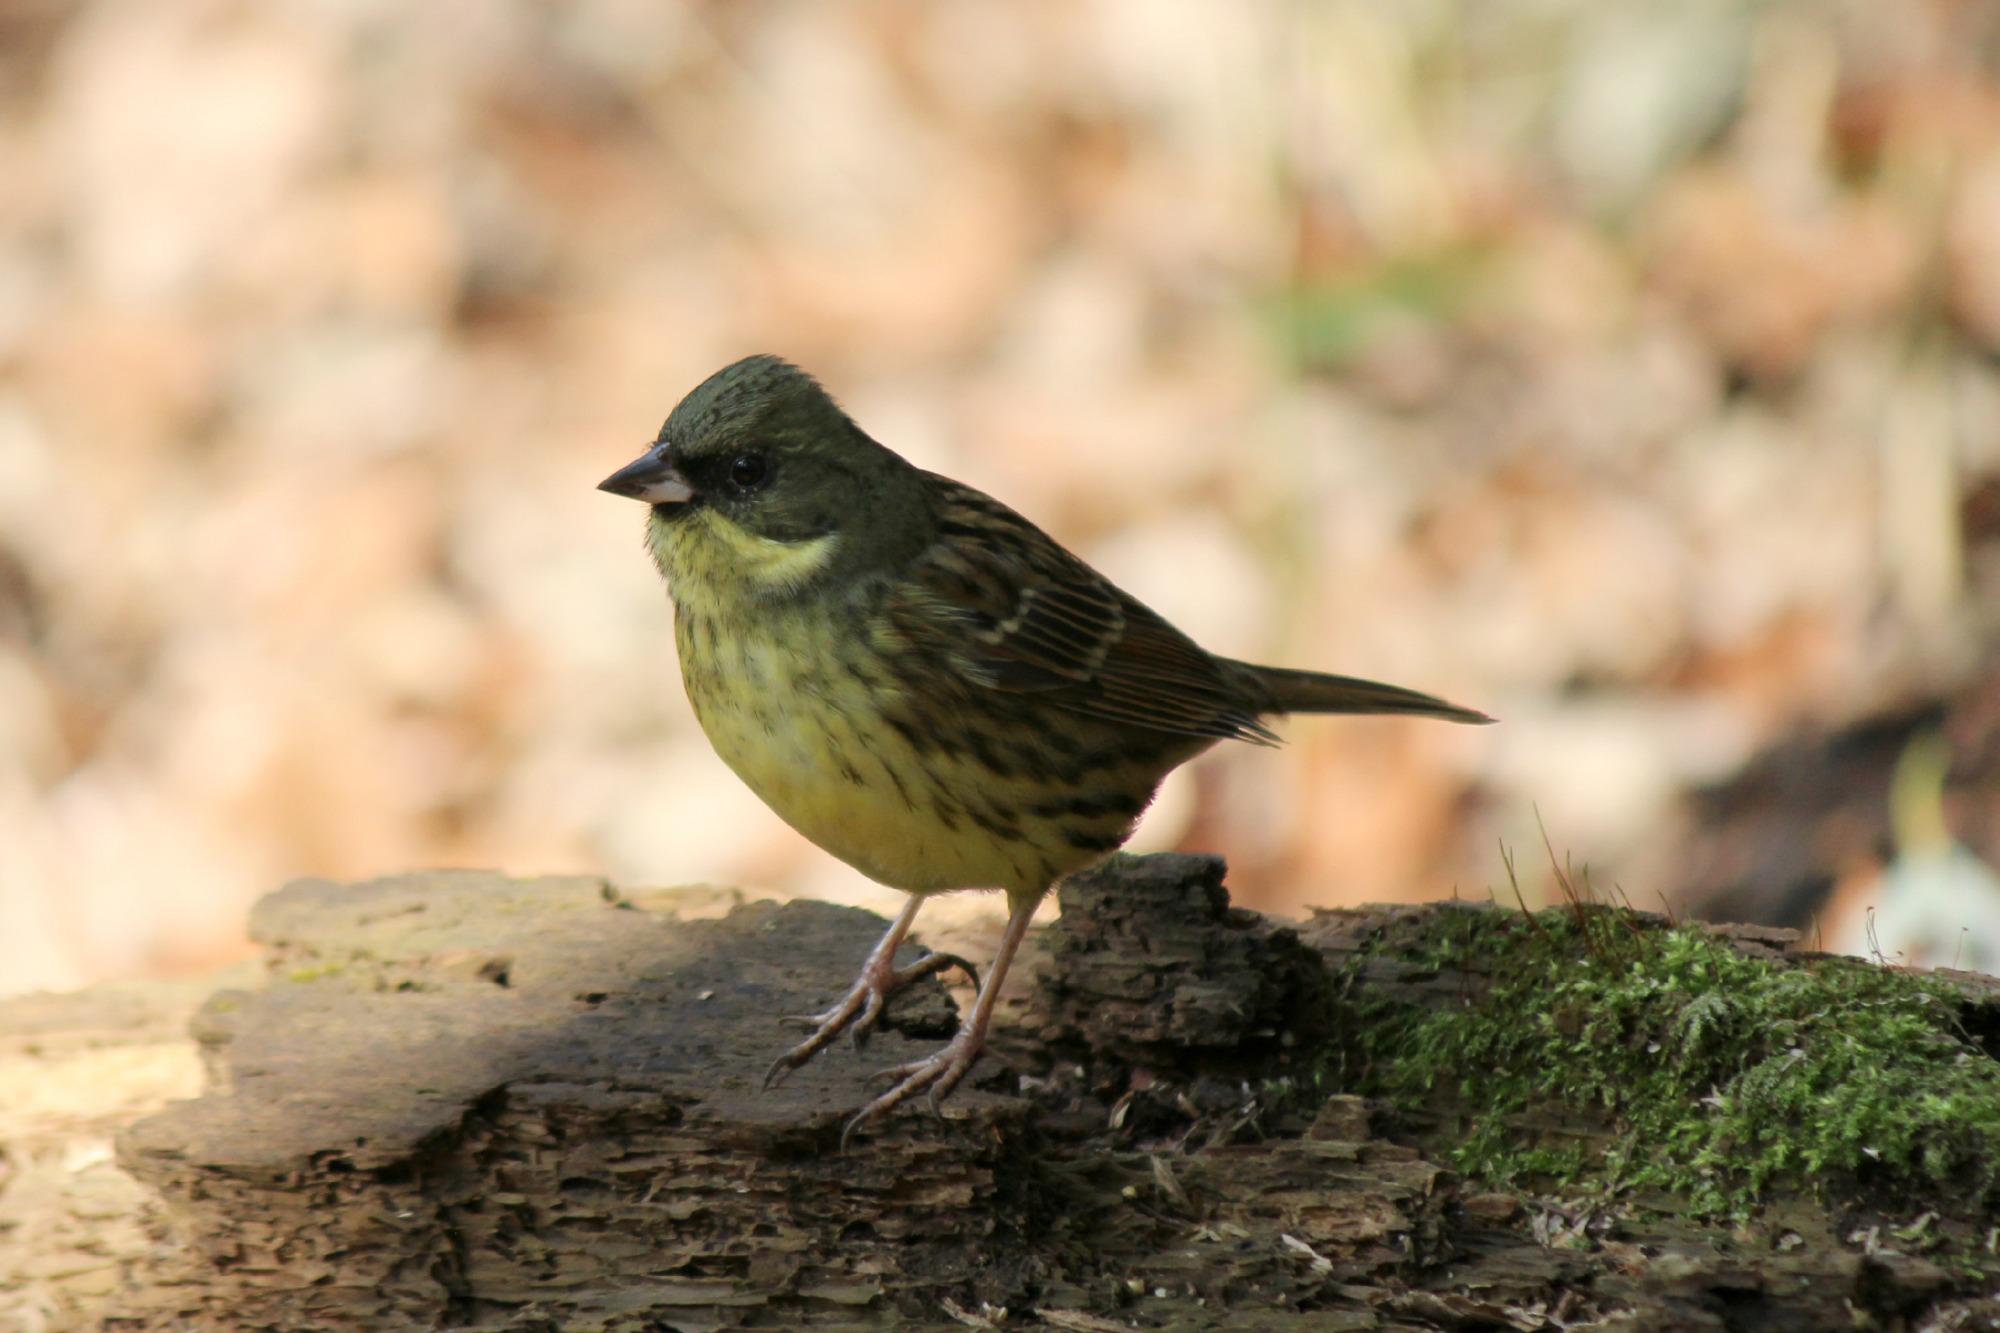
652, 477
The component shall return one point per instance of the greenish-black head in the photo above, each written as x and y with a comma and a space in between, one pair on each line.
760, 446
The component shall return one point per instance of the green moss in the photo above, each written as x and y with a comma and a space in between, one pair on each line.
1718, 1074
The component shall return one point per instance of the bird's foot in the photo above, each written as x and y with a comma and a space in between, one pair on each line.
939, 1073
861, 1009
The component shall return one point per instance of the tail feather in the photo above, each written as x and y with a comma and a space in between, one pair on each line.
1315, 692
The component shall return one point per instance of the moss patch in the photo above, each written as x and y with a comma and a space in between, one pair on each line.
1597, 1049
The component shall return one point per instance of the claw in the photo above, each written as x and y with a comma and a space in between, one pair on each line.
826, 1027
938, 1073
862, 1007
864, 1026
929, 965
862, 1004
888, 1075
933, 963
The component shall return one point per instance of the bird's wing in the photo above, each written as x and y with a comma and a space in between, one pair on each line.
1011, 610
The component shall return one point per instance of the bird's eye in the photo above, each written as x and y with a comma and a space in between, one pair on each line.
748, 472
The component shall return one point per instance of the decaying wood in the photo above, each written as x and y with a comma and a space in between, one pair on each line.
463, 1101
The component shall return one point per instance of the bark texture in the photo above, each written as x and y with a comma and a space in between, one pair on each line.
463, 1101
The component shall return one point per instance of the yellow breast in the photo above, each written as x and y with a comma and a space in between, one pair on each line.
800, 722
792, 698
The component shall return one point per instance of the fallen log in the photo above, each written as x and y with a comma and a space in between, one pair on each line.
463, 1101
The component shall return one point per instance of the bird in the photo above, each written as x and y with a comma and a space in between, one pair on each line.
920, 680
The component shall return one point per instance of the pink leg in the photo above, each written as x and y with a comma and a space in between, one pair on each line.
871, 990
942, 1071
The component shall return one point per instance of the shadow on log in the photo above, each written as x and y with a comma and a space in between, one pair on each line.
471, 1102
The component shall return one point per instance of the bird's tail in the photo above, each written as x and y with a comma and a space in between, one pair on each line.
1315, 692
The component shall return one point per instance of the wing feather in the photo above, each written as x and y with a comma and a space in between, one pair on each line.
1010, 609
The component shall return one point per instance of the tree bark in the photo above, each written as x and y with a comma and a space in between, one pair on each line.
464, 1101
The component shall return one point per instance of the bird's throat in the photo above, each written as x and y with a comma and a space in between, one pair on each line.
705, 555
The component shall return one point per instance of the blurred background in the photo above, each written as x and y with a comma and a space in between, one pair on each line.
1627, 368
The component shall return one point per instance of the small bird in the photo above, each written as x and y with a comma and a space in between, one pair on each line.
919, 679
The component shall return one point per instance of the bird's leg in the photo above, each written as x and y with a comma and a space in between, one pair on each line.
942, 1071
871, 990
